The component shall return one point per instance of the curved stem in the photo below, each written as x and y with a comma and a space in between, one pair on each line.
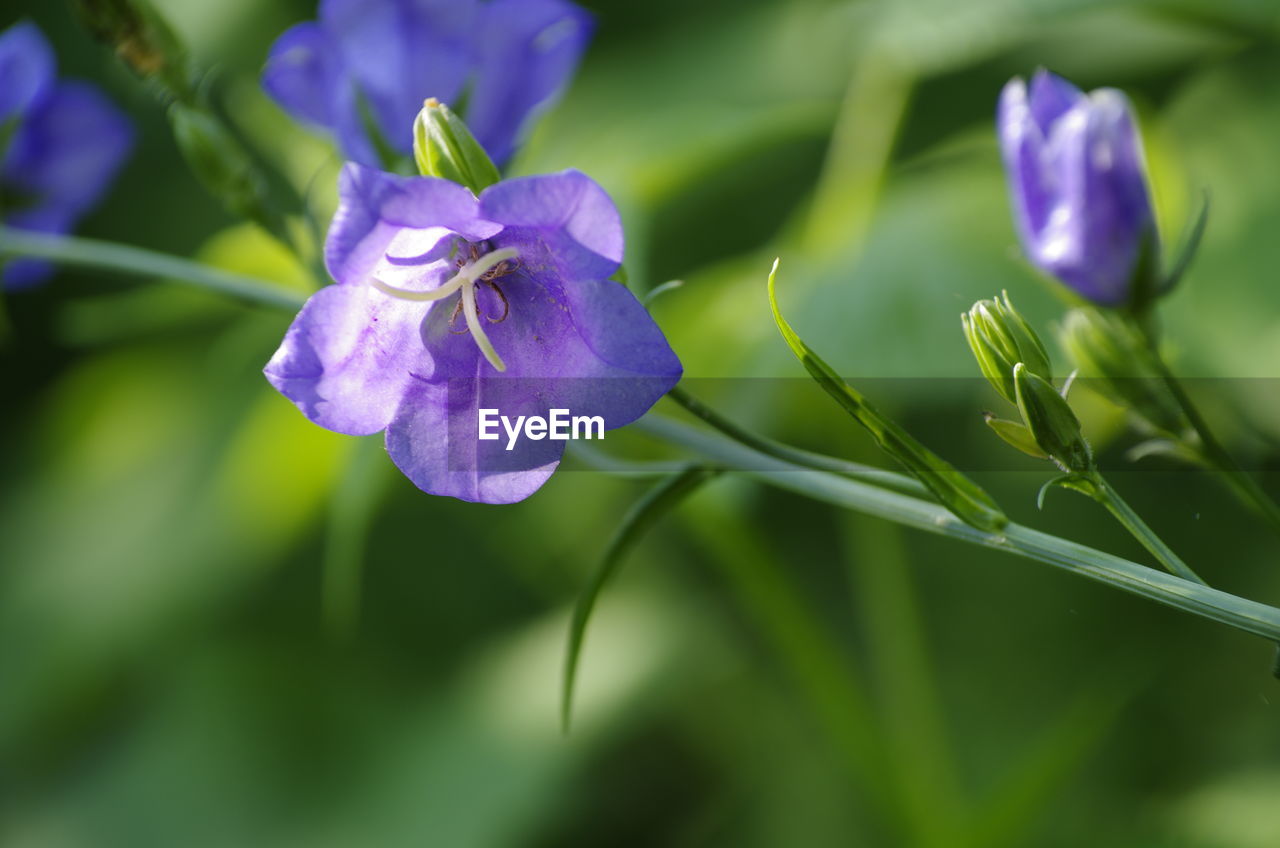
125, 259
807, 459
1104, 494
1195, 598
1245, 487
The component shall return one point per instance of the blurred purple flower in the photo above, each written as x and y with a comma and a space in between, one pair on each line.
446, 303
61, 144
1079, 184
367, 65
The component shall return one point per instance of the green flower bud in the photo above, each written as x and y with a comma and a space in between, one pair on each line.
444, 147
1110, 350
1053, 425
1000, 338
222, 164
143, 40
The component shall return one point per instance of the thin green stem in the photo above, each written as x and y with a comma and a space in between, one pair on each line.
807, 459
125, 259
353, 505
910, 715
825, 675
1104, 494
1243, 485
660, 500
1195, 598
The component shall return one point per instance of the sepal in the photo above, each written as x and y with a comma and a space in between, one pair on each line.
1015, 435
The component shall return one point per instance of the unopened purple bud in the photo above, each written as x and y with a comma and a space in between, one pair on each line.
1078, 182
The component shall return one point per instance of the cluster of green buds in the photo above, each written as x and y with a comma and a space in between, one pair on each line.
1015, 362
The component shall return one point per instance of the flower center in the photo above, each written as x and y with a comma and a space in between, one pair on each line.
480, 269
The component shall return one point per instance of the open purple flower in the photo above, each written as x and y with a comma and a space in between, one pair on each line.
1079, 184
447, 304
369, 64
61, 144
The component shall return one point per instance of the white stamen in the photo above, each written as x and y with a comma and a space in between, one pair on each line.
439, 293
477, 331
466, 280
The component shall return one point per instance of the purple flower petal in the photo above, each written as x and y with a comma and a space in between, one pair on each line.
433, 440
27, 69
1051, 96
397, 53
68, 150
564, 221
367, 65
302, 73
528, 50
349, 357
1114, 215
1022, 148
305, 75
373, 207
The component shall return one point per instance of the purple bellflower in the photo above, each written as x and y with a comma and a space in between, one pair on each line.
1079, 184
61, 144
447, 303
367, 65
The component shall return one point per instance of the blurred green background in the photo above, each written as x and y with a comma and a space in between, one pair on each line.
223, 626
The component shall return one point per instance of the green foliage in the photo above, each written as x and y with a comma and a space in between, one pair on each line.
168, 676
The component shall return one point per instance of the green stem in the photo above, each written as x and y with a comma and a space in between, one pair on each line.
796, 456
910, 717
1103, 493
1195, 598
1244, 486
660, 500
125, 259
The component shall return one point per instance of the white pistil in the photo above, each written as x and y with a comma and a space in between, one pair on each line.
466, 280
477, 331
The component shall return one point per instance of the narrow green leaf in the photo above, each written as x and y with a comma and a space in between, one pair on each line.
807, 459
658, 291
352, 507
644, 514
1163, 447
968, 501
1033, 785
1074, 482
1189, 248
